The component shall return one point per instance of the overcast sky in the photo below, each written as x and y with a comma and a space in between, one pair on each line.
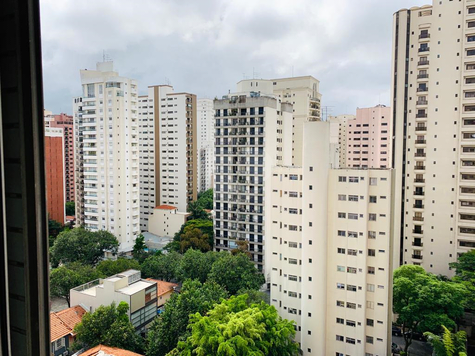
206, 46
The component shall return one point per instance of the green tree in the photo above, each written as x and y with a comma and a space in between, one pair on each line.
66, 277
70, 208
110, 267
204, 225
108, 325
54, 228
449, 344
205, 199
423, 302
197, 265
197, 211
138, 251
465, 274
171, 325
195, 239
163, 266
235, 272
234, 328
83, 246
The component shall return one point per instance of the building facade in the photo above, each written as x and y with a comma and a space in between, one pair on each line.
330, 251
205, 144
107, 154
433, 86
166, 221
369, 139
168, 150
338, 129
253, 134
55, 177
65, 122
139, 294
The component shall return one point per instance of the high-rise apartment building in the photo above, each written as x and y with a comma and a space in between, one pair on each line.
433, 91
368, 141
205, 144
55, 177
338, 129
330, 251
253, 134
107, 154
303, 93
65, 122
168, 150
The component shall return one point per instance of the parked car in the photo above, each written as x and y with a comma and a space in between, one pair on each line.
395, 349
397, 330
417, 336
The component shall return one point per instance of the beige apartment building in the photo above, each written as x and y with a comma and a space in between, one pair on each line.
107, 154
433, 93
168, 150
330, 251
338, 132
368, 139
166, 221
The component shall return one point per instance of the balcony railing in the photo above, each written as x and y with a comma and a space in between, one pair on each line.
423, 63
414, 231
417, 192
420, 154
420, 90
419, 168
424, 49
418, 206
418, 244
421, 128
422, 76
420, 142
418, 218
417, 257
421, 102
424, 35
419, 180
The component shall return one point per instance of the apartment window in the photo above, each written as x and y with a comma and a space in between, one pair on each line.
340, 321
351, 270
339, 338
340, 303
341, 179
352, 198
372, 217
369, 339
373, 181
293, 211
352, 234
352, 252
292, 278
293, 195
371, 234
292, 261
353, 180
340, 250
352, 216
371, 252
351, 323
341, 233
351, 288
373, 199
370, 287
369, 322
342, 197
292, 294
350, 340
340, 286
293, 177
342, 215
293, 244
340, 268
293, 227
371, 270
370, 305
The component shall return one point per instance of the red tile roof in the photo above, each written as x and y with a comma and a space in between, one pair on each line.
109, 351
162, 286
166, 207
62, 323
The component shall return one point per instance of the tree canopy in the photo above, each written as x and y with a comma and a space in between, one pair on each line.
70, 208
138, 251
448, 344
81, 245
110, 267
108, 325
235, 273
66, 277
205, 199
423, 302
194, 238
235, 328
197, 211
161, 266
197, 265
465, 274
171, 325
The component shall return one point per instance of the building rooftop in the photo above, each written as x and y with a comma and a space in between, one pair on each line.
102, 350
162, 286
133, 288
62, 323
166, 207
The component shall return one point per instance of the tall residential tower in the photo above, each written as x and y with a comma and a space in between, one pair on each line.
107, 154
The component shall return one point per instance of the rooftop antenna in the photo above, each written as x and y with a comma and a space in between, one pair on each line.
254, 74
325, 111
105, 56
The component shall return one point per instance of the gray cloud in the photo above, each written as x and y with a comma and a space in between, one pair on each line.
206, 46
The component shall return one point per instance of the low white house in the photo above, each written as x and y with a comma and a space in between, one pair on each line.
166, 221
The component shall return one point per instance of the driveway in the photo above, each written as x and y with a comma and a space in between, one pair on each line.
417, 348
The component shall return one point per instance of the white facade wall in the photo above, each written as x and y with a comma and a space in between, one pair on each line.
165, 221
107, 157
433, 125
205, 144
306, 251
338, 133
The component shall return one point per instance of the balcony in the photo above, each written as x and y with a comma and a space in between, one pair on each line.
419, 180
420, 154
421, 102
417, 231
420, 142
424, 62
418, 244
419, 193
421, 128
422, 90
418, 218
418, 206
417, 257
423, 76
424, 35
424, 49
419, 168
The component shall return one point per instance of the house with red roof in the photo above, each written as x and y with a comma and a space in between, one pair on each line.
62, 329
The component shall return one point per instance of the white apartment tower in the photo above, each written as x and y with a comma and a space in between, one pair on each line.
330, 251
205, 144
252, 134
168, 150
303, 93
433, 92
107, 157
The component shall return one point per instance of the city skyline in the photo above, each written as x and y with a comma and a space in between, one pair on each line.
334, 41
